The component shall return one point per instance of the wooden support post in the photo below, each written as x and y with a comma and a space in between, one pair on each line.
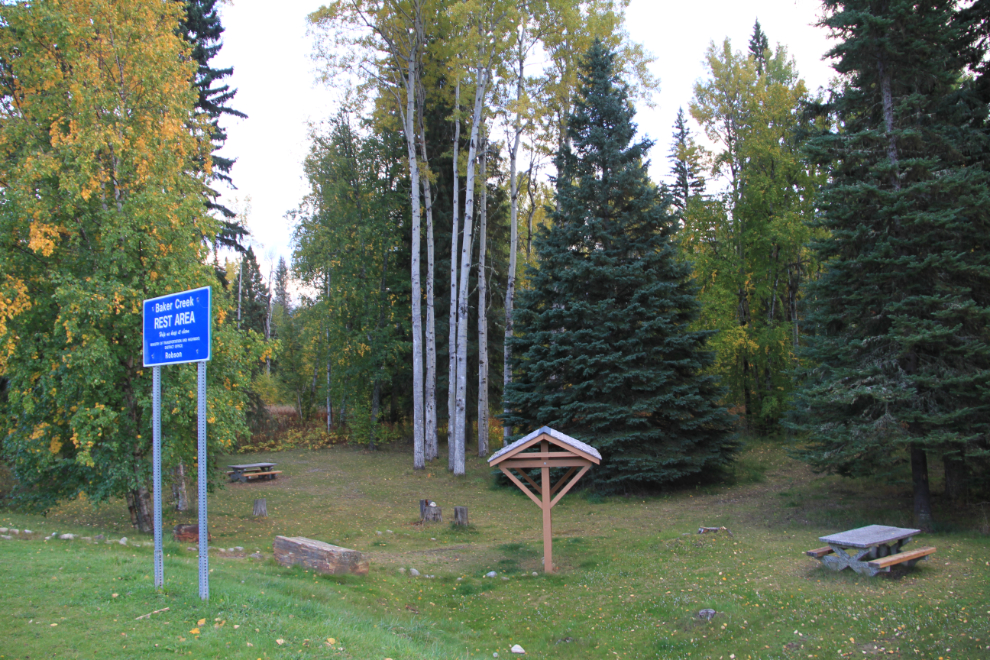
460, 516
547, 520
261, 508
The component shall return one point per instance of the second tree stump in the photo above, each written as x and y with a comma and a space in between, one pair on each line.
460, 516
261, 508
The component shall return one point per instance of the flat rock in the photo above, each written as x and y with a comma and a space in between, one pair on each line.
518, 649
491, 574
413, 572
123, 540
67, 537
6, 536
319, 556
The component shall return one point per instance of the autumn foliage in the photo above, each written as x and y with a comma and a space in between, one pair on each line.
102, 206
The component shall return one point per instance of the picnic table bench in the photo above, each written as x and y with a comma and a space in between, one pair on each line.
869, 550
248, 471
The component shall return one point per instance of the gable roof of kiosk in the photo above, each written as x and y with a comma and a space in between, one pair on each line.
562, 440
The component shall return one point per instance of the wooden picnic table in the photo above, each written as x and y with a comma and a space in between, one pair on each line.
248, 471
869, 550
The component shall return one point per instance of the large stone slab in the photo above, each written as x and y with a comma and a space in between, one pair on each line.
319, 556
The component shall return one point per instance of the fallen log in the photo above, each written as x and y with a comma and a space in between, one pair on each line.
713, 530
189, 534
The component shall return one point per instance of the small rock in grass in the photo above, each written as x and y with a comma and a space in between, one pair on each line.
98, 537
505, 578
518, 649
413, 572
432, 539
238, 548
14, 531
86, 538
3, 530
256, 555
191, 548
491, 574
535, 573
28, 531
123, 540
390, 531
378, 533
402, 569
67, 537
6, 536
707, 615
459, 579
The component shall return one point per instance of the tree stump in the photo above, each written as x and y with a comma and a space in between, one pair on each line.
319, 556
261, 508
460, 516
432, 514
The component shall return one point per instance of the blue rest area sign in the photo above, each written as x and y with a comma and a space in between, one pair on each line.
177, 328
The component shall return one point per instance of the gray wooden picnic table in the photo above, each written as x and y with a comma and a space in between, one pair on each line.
869, 550
247, 471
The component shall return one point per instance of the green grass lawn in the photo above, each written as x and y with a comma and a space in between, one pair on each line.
632, 573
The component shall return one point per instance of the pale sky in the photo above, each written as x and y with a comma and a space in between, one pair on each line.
270, 52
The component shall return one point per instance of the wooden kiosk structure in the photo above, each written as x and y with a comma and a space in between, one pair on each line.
546, 448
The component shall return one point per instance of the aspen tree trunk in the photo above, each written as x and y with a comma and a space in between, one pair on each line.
465, 274
483, 307
417, 315
510, 286
179, 493
329, 400
430, 449
268, 323
240, 287
452, 347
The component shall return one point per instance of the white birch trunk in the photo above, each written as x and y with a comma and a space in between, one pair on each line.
452, 347
465, 275
431, 450
329, 401
483, 307
510, 286
417, 315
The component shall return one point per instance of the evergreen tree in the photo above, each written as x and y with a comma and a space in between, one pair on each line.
901, 358
282, 286
758, 47
202, 28
603, 351
684, 155
253, 294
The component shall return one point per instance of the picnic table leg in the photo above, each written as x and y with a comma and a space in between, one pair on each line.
841, 559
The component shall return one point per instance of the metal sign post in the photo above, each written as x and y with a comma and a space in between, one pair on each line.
156, 460
177, 331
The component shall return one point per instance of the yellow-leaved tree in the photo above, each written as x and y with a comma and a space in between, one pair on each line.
101, 206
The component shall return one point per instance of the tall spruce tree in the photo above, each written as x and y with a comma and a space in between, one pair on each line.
686, 168
253, 294
759, 44
202, 28
603, 351
901, 357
